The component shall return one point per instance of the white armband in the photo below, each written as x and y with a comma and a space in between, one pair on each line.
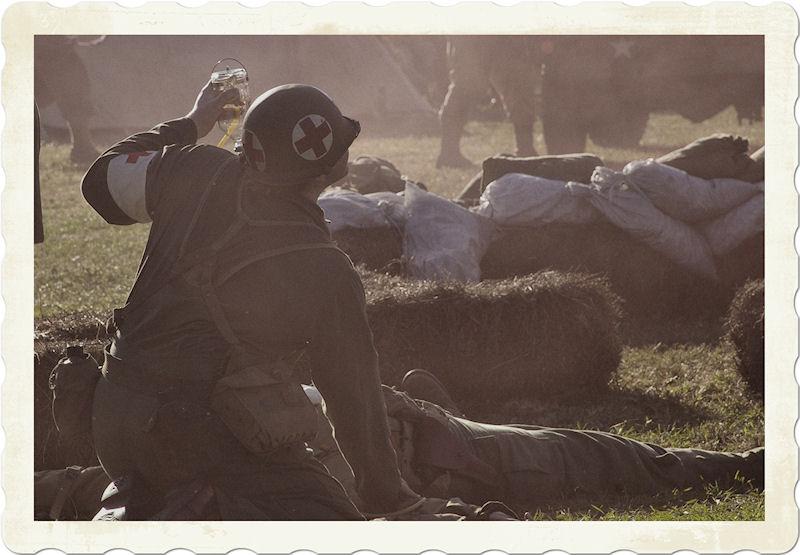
127, 178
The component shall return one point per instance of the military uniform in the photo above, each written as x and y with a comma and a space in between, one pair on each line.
477, 62
442, 455
232, 268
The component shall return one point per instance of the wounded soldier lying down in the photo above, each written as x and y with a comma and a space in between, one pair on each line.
443, 456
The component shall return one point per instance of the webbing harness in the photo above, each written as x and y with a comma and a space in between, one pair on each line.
251, 380
201, 263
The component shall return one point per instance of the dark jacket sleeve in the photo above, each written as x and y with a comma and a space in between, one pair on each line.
95, 186
345, 370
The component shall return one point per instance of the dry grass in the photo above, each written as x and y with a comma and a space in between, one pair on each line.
677, 384
517, 338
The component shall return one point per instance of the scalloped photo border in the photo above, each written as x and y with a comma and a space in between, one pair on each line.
777, 533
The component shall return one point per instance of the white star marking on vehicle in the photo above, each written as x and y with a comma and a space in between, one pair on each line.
622, 47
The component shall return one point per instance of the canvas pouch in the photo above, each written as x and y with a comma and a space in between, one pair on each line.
263, 410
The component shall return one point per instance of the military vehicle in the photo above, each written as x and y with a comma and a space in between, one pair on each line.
606, 87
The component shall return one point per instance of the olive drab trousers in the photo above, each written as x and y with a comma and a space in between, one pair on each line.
454, 457
170, 443
507, 64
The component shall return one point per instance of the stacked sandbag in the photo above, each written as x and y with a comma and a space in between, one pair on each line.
565, 167
726, 211
727, 232
523, 200
345, 209
685, 197
369, 228
678, 244
442, 240
689, 219
717, 156
630, 209
515, 338
650, 284
745, 328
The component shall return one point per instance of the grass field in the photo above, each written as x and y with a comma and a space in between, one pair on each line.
676, 386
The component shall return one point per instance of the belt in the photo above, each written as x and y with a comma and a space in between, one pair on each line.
145, 381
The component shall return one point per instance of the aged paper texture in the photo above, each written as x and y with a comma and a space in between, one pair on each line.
777, 22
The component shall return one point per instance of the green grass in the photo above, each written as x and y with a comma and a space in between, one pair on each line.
676, 386
711, 504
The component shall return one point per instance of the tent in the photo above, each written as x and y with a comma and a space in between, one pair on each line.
138, 81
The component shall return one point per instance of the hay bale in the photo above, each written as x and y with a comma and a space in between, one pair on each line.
549, 332
379, 249
544, 333
649, 284
50, 452
745, 328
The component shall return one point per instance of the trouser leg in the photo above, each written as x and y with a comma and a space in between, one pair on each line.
724, 469
289, 490
83, 149
547, 463
523, 133
597, 461
468, 79
170, 445
452, 117
514, 77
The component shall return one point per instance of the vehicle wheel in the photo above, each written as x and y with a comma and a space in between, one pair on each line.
620, 131
563, 122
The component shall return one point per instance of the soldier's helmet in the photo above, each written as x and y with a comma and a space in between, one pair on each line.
293, 133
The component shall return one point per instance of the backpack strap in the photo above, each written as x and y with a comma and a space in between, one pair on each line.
119, 313
208, 284
230, 272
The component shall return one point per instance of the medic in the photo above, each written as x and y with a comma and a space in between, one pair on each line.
239, 286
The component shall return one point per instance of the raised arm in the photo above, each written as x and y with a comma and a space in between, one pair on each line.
120, 184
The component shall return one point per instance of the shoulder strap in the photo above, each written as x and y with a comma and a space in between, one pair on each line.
208, 283
203, 199
120, 312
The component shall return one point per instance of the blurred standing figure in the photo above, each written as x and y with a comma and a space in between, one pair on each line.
61, 77
506, 63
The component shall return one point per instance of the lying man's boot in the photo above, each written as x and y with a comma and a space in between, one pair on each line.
754, 461
421, 384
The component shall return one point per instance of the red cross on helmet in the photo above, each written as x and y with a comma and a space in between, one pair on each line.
293, 133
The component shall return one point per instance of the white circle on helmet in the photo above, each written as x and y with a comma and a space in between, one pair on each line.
312, 137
